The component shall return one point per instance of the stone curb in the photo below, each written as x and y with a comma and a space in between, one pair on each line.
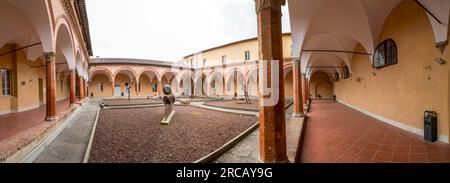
302, 136
89, 146
227, 146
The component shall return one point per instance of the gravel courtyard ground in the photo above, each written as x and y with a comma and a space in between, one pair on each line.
118, 102
135, 135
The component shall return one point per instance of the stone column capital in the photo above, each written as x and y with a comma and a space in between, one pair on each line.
262, 4
49, 55
295, 60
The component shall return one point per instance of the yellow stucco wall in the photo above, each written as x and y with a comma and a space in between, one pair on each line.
5, 63
121, 79
28, 80
288, 85
320, 84
28, 74
404, 91
235, 53
95, 89
146, 86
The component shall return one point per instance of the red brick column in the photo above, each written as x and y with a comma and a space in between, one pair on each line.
298, 97
160, 86
272, 134
303, 89
113, 87
50, 86
307, 89
81, 88
73, 81
86, 85
224, 87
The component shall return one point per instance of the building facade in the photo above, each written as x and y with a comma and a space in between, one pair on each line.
44, 54
219, 71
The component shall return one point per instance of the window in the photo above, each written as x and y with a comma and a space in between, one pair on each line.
192, 62
139, 87
154, 87
336, 76
100, 86
6, 82
247, 55
385, 54
224, 59
204, 62
346, 73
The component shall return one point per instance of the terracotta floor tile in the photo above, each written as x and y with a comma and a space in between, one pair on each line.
417, 149
417, 158
387, 148
401, 149
383, 156
14, 123
336, 133
362, 160
400, 158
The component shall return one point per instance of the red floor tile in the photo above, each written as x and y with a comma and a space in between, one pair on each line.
11, 124
336, 133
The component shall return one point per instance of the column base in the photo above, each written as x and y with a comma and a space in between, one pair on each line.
286, 161
298, 115
50, 118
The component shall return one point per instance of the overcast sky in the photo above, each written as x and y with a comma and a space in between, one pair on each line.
169, 29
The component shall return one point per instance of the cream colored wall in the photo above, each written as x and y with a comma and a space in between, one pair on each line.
95, 89
146, 86
27, 80
64, 91
324, 85
121, 79
253, 87
288, 85
404, 91
5, 63
235, 53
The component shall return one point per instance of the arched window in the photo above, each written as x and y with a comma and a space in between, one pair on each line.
385, 54
336, 77
346, 73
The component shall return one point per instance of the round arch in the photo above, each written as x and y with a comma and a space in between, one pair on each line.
63, 41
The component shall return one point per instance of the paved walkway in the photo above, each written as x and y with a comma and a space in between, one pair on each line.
70, 145
336, 133
200, 104
247, 150
14, 123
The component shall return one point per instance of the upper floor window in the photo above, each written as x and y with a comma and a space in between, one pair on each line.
224, 59
385, 54
336, 77
247, 55
6, 82
204, 62
192, 62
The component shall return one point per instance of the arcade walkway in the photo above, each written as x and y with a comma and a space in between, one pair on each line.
11, 124
336, 133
